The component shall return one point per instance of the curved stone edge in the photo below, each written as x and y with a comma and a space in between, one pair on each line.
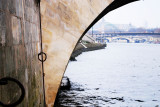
63, 25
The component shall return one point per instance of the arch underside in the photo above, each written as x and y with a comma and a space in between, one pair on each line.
64, 23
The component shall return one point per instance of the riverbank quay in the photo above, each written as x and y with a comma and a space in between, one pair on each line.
80, 48
85, 47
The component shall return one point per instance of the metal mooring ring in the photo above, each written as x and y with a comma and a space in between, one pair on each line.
42, 53
4, 81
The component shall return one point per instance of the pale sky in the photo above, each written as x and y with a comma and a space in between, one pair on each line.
143, 13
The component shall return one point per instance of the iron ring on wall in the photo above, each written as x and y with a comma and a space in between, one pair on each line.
4, 81
42, 53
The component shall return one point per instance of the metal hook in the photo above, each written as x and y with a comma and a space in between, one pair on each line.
4, 81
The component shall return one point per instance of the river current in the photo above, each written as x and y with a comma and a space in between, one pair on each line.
121, 75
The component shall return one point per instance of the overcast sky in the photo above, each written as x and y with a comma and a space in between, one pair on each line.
144, 13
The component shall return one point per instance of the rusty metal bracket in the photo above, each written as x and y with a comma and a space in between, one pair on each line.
41, 54
4, 81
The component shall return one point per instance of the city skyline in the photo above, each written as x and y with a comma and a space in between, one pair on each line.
104, 26
143, 13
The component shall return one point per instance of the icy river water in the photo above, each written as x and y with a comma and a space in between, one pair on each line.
122, 75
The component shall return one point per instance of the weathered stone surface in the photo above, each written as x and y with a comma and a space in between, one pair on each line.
19, 48
16, 30
63, 23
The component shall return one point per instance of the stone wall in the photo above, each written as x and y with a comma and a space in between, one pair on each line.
19, 47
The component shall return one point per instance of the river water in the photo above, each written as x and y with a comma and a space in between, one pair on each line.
122, 75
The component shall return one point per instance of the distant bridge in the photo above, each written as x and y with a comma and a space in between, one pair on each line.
127, 33
128, 37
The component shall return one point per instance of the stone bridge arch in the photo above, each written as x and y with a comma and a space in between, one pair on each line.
117, 39
106, 40
140, 40
64, 23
